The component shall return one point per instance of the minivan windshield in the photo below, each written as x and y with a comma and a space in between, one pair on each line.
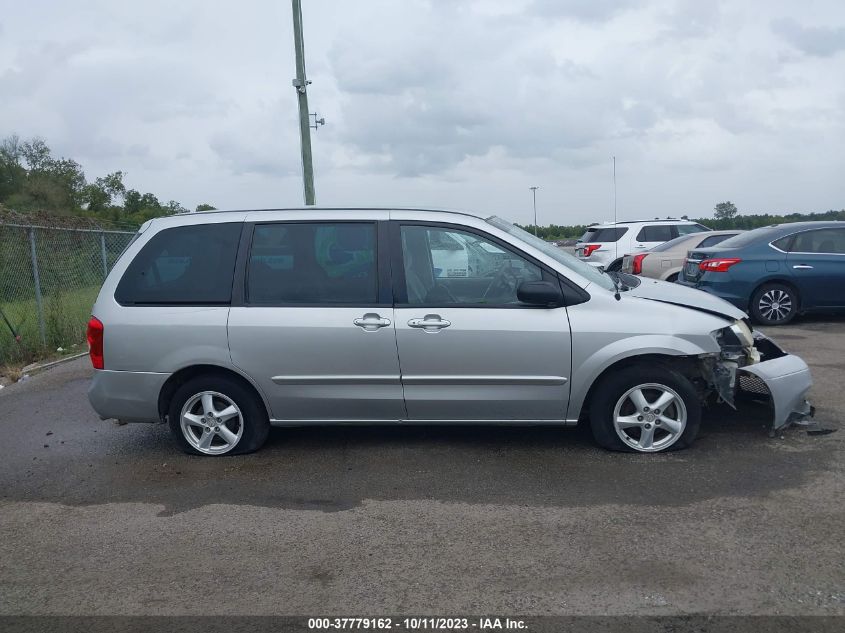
570, 261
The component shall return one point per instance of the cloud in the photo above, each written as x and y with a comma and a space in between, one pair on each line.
585, 10
820, 41
463, 103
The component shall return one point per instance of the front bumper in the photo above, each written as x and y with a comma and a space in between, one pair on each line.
131, 396
787, 379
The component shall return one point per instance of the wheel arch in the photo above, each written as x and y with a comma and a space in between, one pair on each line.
675, 353
179, 378
779, 279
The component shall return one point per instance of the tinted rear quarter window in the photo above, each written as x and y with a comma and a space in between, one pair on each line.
183, 265
613, 234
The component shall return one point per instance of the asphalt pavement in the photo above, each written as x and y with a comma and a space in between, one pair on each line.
102, 518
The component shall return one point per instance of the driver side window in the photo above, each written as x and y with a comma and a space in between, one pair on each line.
452, 267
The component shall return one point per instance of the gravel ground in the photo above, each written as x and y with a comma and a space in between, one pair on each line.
101, 518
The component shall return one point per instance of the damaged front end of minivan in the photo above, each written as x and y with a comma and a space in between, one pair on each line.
751, 363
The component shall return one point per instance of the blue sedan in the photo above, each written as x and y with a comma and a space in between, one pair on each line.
775, 272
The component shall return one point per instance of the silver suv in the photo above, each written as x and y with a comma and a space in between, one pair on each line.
222, 324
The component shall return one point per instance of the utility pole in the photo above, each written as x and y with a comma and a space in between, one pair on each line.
300, 83
534, 194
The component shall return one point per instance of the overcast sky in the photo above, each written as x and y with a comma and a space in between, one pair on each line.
457, 103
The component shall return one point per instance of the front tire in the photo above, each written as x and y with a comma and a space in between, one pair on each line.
774, 304
217, 415
645, 408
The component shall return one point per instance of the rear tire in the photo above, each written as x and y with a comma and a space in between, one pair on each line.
645, 408
217, 415
774, 304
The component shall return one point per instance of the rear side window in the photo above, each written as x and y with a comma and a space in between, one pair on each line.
820, 241
714, 239
184, 265
313, 263
594, 235
655, 233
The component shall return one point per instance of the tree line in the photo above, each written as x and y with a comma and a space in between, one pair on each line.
725, 216
32, 179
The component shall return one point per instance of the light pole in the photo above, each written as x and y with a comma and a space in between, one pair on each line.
301, 83
534, 195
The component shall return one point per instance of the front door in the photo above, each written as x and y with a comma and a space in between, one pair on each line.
467, 347
315, 329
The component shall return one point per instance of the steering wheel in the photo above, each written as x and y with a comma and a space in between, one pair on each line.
503, 284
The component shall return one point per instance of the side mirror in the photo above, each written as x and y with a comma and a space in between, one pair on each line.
540, 293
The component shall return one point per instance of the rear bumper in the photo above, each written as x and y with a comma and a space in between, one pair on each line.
126, 395
788, 380
727, 291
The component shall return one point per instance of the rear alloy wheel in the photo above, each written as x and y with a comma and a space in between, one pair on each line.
217, 415
645, 409
211, 423
774, 304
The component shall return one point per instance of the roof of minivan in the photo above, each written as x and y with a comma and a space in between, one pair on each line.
358, 208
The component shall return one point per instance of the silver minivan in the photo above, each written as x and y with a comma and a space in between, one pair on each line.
223, 324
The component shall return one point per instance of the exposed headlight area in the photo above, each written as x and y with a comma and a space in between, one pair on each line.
737, 343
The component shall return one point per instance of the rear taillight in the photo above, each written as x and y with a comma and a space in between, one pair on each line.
589, 248
718, 265
95, 342
637, 263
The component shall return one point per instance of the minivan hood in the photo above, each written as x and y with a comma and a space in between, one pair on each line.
677, 294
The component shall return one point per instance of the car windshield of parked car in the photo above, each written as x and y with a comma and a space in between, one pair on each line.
744, 239
570, 261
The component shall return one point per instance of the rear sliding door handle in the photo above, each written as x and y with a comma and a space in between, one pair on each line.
429, 323
371, 322
802, 267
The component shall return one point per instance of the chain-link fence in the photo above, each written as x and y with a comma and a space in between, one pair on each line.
49, 279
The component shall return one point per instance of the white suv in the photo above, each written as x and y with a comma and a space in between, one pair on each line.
604, 245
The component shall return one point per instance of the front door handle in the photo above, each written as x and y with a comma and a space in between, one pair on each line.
430, 323
802, 267
371, 322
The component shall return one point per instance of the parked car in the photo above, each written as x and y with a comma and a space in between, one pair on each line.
775, 272
666, 261
225, 323
604, 245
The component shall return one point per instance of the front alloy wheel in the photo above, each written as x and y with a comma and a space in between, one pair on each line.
646, 407
650, 417
211, 423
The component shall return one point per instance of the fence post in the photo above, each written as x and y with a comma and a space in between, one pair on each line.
103, 253
38, 299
